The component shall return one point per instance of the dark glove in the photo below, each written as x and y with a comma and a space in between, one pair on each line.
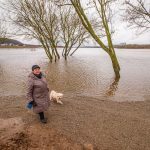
34, 103
30, 105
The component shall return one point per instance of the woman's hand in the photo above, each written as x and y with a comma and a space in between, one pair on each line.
34, 103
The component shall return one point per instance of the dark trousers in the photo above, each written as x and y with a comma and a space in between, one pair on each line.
41, 114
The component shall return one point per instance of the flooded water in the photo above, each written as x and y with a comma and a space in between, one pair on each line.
88, 73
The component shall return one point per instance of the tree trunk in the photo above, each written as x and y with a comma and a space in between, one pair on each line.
115, 64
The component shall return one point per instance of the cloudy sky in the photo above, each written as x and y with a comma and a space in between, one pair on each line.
123, 34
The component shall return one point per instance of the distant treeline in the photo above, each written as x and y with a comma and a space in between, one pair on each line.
10, 43
133, 46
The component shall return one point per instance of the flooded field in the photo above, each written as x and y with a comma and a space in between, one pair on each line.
88, 73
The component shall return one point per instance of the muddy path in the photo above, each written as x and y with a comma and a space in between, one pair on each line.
104, 124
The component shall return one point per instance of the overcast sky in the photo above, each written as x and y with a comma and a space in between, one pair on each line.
123, 34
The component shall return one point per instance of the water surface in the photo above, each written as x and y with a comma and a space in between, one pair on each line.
88, 73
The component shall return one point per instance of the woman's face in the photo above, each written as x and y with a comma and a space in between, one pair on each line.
36, 71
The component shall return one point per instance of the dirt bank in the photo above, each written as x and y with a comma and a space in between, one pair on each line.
104, 124
17, 135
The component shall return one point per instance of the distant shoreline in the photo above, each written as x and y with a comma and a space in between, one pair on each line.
11, 43
129, 46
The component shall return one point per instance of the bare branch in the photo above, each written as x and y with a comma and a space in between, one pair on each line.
138, 15
102, 7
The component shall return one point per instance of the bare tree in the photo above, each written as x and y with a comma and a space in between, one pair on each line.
102, 10
50, 25
37, 19
3, 32
137, 14
3, 29
73, 34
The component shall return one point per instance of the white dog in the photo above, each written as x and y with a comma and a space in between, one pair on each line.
56, 97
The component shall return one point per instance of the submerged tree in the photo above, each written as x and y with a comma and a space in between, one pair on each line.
37, 19
101, 9
137, 14
50, 25
73, 34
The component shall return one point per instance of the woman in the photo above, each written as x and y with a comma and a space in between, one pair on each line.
38, 92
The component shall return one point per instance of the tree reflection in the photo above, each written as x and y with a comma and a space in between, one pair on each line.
113, 87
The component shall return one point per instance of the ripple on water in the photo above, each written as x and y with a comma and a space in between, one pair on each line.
88, 73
